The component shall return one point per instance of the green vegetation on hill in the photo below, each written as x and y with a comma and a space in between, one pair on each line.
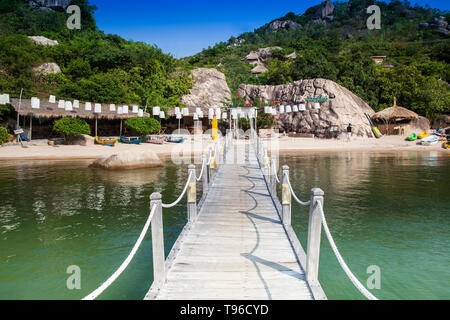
95, 67
341, 51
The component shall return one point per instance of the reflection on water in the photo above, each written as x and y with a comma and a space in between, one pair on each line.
385, 209
57, 214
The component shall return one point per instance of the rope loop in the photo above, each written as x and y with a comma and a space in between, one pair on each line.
181, 196
344, 266
307, 203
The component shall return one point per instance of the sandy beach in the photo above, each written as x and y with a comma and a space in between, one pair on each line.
286, 146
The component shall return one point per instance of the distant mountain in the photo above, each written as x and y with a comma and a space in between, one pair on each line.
332, 41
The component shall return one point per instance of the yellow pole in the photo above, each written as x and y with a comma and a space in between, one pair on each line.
215, 127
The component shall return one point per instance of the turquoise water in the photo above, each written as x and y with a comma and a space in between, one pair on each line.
389, 210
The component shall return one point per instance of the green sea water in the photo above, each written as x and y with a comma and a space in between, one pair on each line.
385, 209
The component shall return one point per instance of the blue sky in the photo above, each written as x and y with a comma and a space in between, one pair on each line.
184, 28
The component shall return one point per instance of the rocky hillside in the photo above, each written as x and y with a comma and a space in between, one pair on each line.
331, 41
342, 108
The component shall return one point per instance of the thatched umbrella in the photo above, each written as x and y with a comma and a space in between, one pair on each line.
395, 114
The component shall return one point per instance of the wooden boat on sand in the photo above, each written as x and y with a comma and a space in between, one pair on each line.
155, 140
431, 140
130, 140
106, 142
175, 139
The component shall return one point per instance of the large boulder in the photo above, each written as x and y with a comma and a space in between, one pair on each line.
50, 4
325, 12
43, 41
128, 160
210, 90
47, 68
84, 140
343, 107
278, 25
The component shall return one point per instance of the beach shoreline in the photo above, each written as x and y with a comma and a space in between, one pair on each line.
284, 145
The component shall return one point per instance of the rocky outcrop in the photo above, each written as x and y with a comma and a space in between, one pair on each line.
47, 68
440, 25
43, 41
210, 90
50, 4
343, 107
284, 24
293, 56
325, 13
128, 160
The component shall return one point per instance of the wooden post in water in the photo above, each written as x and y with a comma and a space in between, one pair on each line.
157, 239
274, 172
205, 175
192, 194
286, 196
314, 234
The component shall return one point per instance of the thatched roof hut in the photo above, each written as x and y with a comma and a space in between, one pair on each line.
395, 114
49, 110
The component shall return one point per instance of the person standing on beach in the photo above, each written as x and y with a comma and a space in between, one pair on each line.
349, 132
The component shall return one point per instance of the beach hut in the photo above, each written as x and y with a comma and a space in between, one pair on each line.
45, 113
399, 118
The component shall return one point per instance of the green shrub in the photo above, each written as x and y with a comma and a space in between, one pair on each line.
4, 136
143, 126
71, 127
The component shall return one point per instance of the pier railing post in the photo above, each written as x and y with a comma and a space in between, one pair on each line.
286, 197
205, 175
157, 239
274, 171
314, 234
208, 167
224, 150
192, 194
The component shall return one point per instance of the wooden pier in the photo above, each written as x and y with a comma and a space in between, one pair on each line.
238, 247
238, 243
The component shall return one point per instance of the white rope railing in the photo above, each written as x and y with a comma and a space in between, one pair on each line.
307, 203
344, 266
180, 197
124, 264
274, 172
201, 172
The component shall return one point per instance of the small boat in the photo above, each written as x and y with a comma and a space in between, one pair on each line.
423, 135
428, 141
412, 137
130, 140
175, 139
154, 140
106, 142
447, 144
